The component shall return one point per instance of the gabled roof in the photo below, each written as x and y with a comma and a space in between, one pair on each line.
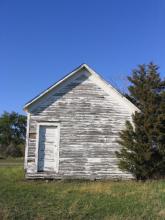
108, 87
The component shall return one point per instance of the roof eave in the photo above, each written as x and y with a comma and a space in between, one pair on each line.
28, 104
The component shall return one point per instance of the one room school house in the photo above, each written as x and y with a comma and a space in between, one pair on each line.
73, 127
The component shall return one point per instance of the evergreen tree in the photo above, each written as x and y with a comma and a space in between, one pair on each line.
143, 141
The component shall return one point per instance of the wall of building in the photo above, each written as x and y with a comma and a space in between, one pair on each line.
90, 120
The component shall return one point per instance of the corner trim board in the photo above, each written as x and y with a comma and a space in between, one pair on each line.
27, 141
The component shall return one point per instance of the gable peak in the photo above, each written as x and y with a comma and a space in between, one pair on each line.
109, 88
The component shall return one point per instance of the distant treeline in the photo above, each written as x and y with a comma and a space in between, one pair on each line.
12, 134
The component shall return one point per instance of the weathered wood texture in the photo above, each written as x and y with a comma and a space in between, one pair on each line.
90, 121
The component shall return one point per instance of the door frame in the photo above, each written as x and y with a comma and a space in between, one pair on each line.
52, 124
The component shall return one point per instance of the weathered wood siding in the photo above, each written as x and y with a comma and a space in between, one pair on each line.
90, 120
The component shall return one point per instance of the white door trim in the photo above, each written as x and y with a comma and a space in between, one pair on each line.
27, 141
39, 124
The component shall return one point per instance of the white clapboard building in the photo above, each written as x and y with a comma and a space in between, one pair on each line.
73, 128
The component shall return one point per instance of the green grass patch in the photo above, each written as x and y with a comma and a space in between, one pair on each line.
40, 200
11, 162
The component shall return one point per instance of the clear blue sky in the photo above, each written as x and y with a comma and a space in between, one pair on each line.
42, 40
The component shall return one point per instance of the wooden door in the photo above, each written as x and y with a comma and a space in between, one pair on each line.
48, 148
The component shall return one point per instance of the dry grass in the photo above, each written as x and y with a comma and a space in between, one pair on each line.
20, 199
